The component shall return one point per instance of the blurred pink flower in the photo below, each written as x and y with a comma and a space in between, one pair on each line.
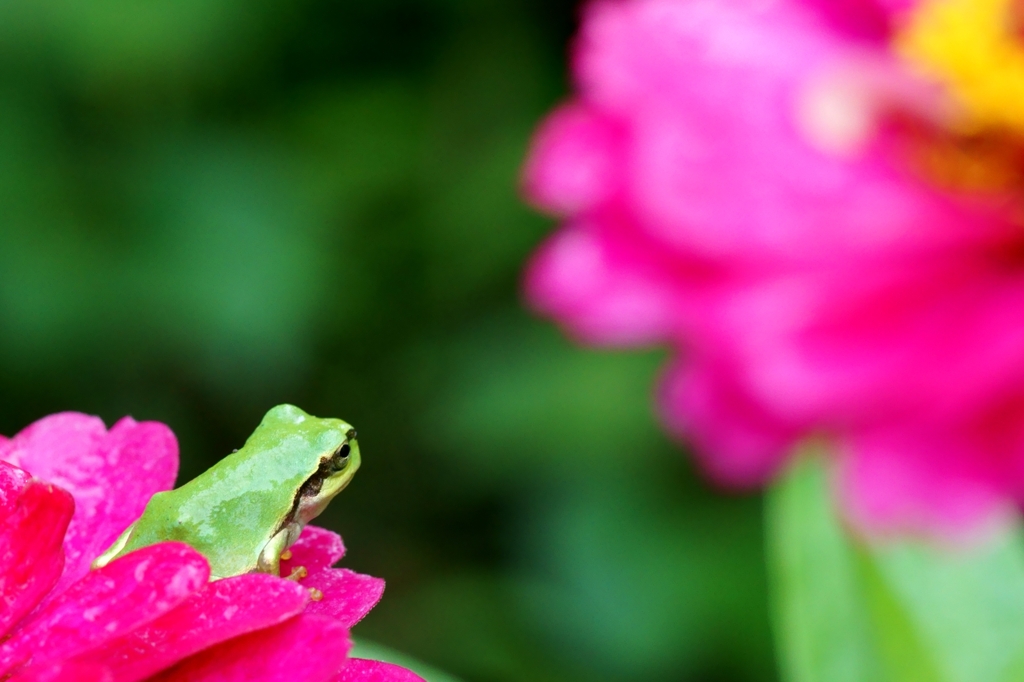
829, 240
68, 488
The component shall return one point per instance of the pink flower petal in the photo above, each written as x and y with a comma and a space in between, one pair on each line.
304, 649
64, 672
33, 519
58, 448
914, 482
316, 549
864, 19
738, 441
223, 610
707, 176
108, 603
363, 670
587, 277
743, 180
572, 165
12, 483
348, 596
111, 475
931, 336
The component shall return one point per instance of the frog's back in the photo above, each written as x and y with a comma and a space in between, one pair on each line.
249, 494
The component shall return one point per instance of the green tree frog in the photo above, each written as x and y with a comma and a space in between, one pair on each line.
245, 511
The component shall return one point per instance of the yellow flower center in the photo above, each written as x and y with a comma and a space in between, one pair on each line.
975, 49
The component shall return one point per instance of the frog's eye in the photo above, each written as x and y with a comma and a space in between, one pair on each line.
340, 458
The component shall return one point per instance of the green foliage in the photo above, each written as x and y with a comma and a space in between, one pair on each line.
376, 652
907, 612
208, 208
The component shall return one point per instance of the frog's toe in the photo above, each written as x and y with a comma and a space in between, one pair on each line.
114, 550
298, 573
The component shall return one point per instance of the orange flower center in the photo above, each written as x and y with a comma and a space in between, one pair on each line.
974, 50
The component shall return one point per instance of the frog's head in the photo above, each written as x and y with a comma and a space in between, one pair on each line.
333, 457
337, 467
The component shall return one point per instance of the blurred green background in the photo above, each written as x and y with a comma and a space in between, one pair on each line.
208, 208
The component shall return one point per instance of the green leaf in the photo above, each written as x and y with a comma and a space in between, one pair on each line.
906, 655
850, 611
822, 626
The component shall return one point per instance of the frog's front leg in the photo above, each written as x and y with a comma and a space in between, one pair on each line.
270, 556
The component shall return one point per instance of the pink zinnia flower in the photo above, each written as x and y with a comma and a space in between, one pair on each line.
819, 205
68, 488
